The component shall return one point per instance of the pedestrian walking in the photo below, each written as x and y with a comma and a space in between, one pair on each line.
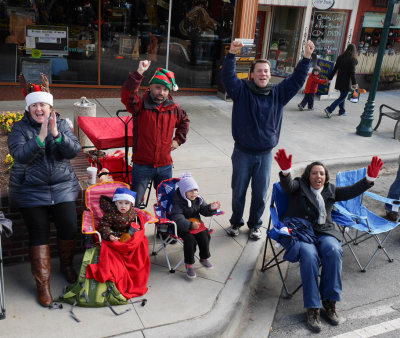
311, 88
345, 67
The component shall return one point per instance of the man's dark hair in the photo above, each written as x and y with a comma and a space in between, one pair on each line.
306, 174
253, 64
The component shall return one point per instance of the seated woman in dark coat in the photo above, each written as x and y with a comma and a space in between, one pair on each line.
311, 199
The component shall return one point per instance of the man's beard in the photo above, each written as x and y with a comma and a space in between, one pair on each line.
155, 100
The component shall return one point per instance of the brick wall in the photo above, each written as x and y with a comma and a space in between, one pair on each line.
15, 248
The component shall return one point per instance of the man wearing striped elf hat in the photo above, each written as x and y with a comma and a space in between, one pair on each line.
160, 126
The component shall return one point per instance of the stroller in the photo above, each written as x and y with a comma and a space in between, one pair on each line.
106, 133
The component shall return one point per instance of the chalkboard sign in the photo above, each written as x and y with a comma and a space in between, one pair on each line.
46, 40
328, 32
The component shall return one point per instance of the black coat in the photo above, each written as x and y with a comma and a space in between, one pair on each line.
346, 68
42, 176
181, 212
303, 204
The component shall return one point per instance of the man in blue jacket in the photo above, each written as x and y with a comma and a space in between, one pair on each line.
256, 124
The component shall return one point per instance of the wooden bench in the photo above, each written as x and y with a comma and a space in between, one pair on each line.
393, 114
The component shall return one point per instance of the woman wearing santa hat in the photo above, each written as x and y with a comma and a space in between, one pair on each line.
43, 184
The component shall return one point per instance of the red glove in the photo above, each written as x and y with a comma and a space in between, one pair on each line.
284, 161
374, 168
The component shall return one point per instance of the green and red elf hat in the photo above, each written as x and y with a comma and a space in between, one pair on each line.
166, 78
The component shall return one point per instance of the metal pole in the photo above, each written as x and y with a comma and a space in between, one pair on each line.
168, 33
365, 126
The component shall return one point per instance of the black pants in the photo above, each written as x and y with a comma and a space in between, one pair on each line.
38, 221
308, 99
202, 239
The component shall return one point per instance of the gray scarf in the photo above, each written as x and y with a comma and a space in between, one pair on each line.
321, 205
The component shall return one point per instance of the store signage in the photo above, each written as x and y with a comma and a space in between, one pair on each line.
323, 4
376, 20
326, 70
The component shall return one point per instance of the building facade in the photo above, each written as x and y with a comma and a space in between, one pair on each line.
95, 43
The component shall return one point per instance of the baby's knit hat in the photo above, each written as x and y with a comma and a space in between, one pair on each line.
166, 78
187, 183
35, 93
124, 194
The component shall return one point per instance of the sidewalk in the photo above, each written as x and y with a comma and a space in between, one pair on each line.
212, 304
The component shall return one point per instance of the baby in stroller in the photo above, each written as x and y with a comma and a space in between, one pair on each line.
119, 221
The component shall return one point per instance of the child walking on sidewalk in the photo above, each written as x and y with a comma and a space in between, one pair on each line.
311, 88
187, 207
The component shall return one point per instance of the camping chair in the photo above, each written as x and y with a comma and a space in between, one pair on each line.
278, 206
93, 214
353, 215
106, 133
166, 228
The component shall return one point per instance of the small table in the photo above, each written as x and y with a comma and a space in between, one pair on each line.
393, 114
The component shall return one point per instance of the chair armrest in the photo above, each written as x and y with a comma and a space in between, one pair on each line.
344, 212
394, 203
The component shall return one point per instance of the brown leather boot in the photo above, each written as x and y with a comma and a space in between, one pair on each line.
40, 267
66, 249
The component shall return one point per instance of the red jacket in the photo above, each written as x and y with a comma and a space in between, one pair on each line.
312, 83
153, 127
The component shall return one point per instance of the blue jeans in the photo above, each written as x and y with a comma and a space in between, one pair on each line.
258, 169
143, 174
394, 191
339, 102
328, 251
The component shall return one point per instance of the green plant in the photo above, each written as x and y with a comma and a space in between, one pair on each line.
8, 119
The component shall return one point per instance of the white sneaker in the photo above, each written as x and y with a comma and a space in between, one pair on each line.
255, 233
233, 231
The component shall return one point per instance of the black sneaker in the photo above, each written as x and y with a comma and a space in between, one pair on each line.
313, 320
300, 107
330, 312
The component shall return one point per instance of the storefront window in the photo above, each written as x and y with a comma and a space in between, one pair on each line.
132, 31
371, 33
198, 30
58, 38
328, 33
66, 40
284, 39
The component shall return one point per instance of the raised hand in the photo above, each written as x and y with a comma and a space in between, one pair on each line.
309, 49
143, 66
53, 124
374, 168
235, 46
284, 161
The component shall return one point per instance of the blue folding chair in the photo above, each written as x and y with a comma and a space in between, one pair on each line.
278, 206
352, 214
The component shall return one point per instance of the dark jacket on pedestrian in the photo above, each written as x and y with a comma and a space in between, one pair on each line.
345, 66
181, 212
303, 203
42, 176
153, 126
257, 112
